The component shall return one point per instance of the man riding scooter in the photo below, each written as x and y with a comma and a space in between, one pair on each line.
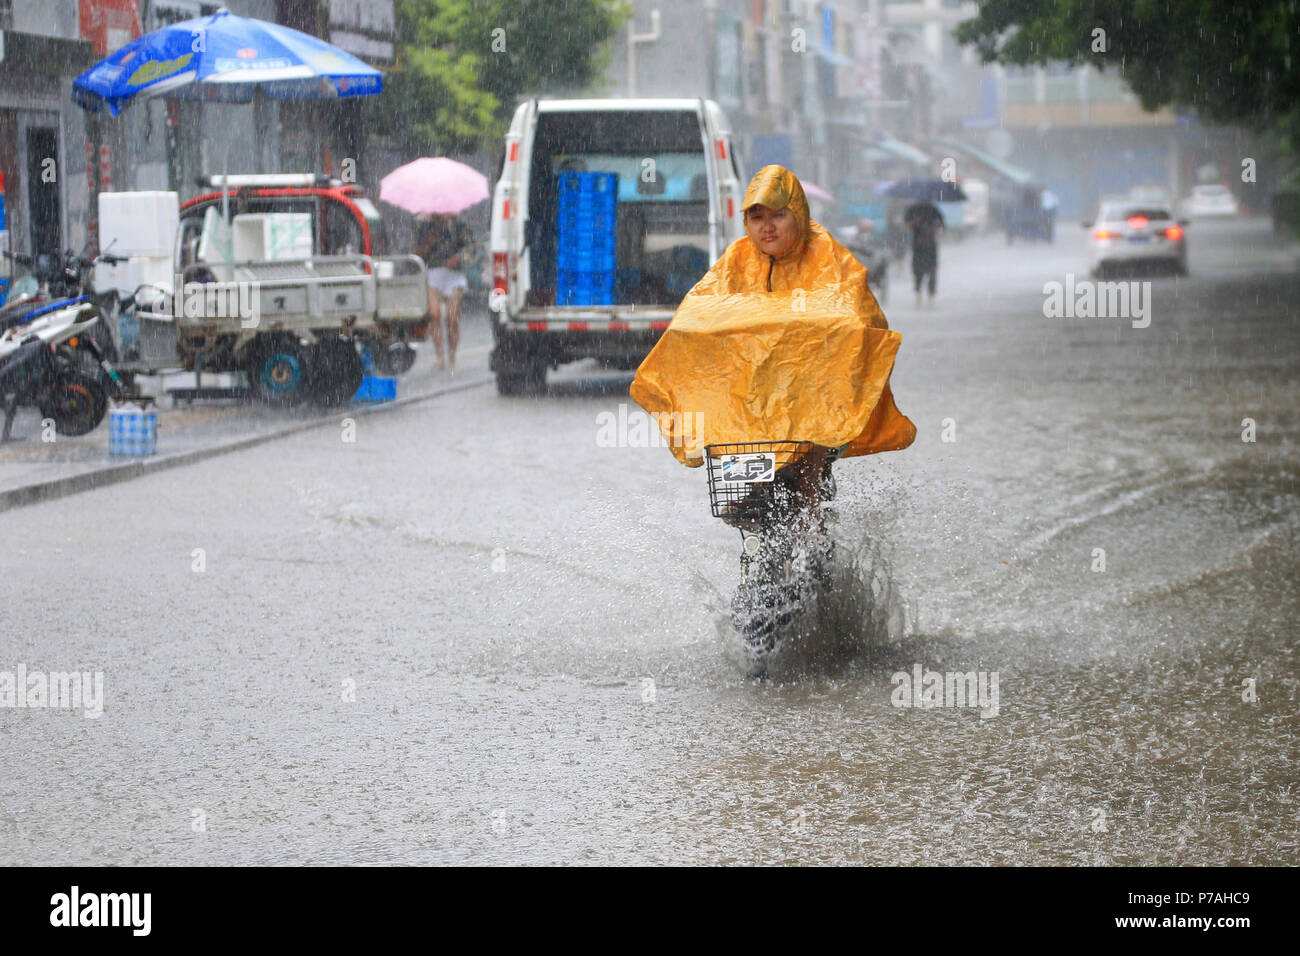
776, 364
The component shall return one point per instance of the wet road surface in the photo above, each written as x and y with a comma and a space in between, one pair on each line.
473, 634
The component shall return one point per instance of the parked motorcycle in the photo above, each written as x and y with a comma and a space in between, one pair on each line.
41, 365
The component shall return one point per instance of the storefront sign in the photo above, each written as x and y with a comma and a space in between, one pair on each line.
108, 24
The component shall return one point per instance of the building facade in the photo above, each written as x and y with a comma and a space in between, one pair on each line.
56, 158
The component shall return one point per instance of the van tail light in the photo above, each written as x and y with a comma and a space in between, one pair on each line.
1103, 234
1137, 222
1174, 232
720, 146
500, 272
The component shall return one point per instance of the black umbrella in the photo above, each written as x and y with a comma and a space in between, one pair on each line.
926, 189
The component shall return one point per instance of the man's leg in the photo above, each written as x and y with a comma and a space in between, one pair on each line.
453, 325
435, 323
934, 278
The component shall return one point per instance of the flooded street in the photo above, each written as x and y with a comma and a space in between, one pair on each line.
476, 635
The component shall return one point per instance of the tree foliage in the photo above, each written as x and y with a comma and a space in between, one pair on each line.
1232, 61
463, 64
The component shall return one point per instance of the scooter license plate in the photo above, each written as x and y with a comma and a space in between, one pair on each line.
748, 468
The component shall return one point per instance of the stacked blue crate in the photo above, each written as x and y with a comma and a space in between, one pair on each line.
585, 264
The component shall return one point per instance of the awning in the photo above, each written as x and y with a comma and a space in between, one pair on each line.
1019, 176
900, 150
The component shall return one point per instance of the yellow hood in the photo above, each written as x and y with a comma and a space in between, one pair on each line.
777, 188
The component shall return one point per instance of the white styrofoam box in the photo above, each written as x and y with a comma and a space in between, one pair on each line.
273, 235
248, 237
215, 241
154, 270
138, 223
128, 276
120, 277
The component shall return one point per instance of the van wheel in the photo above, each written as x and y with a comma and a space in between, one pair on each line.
529, 381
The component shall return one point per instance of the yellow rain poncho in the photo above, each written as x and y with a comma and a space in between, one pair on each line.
789, 349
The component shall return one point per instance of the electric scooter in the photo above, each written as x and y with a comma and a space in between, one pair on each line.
773, 493
42, 366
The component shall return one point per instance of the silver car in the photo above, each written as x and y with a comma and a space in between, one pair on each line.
1136, 234
1210, 202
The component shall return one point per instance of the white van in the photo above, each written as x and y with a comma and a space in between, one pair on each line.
678, 208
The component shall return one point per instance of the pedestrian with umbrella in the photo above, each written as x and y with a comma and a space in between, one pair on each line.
923, 220
436, 190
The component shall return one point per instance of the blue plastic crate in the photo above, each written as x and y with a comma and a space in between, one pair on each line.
587, 203
574, 183
376, 388
577, 240
585, 288
586, 227
585, 261
132, 430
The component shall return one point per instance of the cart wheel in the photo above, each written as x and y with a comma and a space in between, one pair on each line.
278, 372
336, 371
395, 358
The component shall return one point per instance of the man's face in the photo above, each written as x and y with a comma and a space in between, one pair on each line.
774, 231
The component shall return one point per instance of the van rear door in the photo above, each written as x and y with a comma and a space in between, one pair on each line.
510, 215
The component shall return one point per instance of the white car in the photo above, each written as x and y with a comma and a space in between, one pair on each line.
1129, 233
1206, 202
1153, 194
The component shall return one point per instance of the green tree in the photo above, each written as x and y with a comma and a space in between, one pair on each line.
1231, 61
462, 64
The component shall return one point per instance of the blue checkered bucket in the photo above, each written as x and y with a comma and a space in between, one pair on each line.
132, 430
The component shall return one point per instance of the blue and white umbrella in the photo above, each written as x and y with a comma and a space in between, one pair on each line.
224, 58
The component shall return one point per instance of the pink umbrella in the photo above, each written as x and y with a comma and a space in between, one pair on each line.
440, 185
813, 191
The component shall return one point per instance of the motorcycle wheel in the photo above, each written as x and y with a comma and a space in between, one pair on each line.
77, 402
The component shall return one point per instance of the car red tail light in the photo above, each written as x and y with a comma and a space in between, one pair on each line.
1137, 222
500, 272
1173, 232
